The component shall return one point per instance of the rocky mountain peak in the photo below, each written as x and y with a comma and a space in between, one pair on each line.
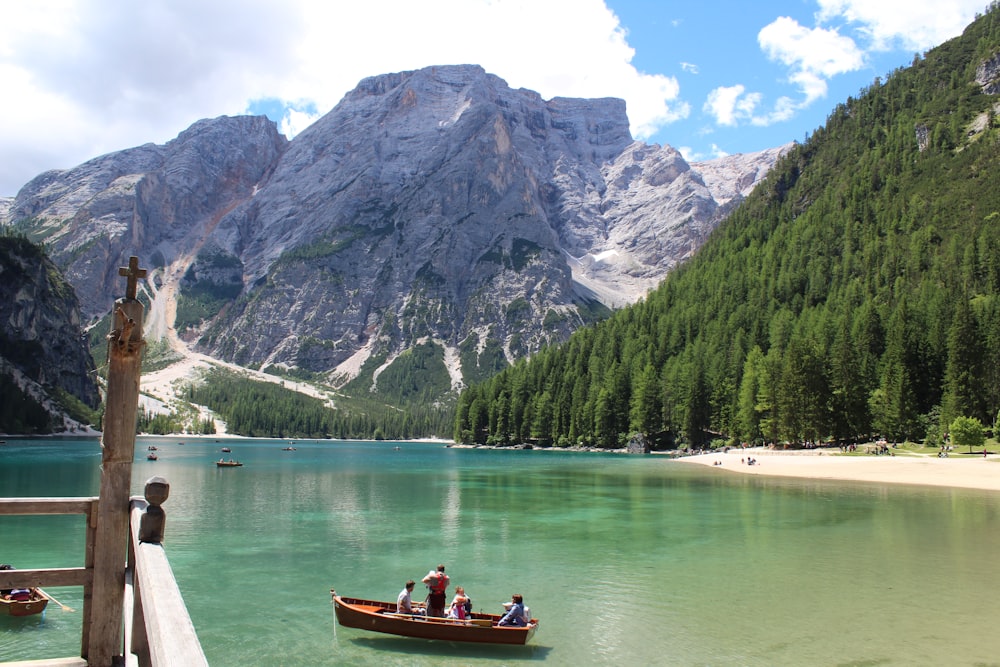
432, 206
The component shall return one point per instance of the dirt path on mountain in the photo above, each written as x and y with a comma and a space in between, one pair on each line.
161, 390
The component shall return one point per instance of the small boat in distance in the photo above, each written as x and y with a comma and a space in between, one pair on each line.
23, 603
288, 449
382, 617
151, 456
228, 464
226, 449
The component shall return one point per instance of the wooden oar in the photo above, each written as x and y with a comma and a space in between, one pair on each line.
61, 605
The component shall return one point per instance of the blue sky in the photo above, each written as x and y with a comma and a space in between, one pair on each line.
759, 74
86, 77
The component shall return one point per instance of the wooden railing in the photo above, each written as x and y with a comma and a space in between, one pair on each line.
71, 576
158, 629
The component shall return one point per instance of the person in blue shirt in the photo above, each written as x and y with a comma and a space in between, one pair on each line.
515, 613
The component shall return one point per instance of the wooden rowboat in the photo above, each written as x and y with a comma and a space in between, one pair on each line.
382, 617
33, 603
228, 464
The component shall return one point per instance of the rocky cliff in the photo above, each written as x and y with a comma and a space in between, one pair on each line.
45, 363
438, 205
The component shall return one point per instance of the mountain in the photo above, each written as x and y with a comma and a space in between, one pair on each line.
855, 292
436, 208
47, 377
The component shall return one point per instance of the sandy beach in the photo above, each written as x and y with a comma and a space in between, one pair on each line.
958, 470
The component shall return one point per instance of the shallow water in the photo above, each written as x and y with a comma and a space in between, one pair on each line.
625, 560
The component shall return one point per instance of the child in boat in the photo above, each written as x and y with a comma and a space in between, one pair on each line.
461, 605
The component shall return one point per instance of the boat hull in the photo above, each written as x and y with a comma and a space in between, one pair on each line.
36, 605
381, 617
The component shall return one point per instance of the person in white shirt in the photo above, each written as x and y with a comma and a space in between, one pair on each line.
404, 603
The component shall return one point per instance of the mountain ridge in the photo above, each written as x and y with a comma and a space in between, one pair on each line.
432, 205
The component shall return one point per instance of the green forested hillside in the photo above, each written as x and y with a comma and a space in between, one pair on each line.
289, 414
856, 292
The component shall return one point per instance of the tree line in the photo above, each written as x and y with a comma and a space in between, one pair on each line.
255, 408
855, 292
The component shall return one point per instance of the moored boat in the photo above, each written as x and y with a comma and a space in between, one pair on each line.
228, 464
151, 456
379, 616
26, 603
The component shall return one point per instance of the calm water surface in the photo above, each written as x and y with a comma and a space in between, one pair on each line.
626, 560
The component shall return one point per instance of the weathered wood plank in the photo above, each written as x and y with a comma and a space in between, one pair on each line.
125, 346
52, 662
88, 591
57, 576
170, 634
21, 506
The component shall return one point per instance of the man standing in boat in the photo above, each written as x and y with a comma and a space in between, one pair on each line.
437, 581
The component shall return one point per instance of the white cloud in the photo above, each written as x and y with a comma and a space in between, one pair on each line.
89, 79
731, 105
811, 54
906, 24
295, 121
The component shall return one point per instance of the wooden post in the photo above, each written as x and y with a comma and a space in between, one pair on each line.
151, 526
125, 345
154, 518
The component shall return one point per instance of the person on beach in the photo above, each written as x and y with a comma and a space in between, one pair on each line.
515, 612
404, 603
437, 582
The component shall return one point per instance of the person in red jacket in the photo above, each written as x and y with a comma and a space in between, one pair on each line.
437, 582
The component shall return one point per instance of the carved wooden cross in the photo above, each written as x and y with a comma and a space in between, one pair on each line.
133, 272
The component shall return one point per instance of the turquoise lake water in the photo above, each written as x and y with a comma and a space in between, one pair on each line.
625, 560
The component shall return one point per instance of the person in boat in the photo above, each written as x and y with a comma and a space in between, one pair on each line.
437, 583
6, 591
461, 605
515, 615
404, 603
20, 594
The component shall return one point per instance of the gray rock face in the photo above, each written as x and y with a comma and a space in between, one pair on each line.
43, 348
988, 75
156, 202
438, 205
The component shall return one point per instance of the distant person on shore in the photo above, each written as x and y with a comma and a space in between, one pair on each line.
515, 615
437, 582
404, 603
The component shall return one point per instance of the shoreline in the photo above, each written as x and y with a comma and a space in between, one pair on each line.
961, 471
956, 471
